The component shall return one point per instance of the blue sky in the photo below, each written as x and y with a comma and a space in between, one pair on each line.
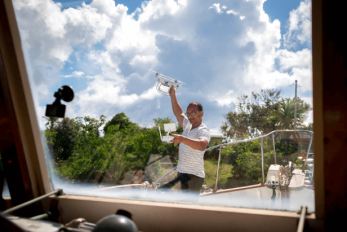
104, 49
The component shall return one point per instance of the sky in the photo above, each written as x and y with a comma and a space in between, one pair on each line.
221, 50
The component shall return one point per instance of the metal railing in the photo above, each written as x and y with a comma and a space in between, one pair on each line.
221, 146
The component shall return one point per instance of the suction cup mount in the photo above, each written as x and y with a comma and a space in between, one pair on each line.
57, 109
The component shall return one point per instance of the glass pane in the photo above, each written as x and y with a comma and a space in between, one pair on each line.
240, 60
241, 182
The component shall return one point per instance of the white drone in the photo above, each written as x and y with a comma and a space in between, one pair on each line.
170, 127
166, 81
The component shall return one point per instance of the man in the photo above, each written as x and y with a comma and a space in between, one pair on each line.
193, 142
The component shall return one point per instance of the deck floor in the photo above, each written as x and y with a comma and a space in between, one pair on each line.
263, 198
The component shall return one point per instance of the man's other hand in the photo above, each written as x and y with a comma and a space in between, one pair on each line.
172, 91
177, 138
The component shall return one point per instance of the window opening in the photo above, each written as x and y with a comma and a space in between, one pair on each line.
240, 60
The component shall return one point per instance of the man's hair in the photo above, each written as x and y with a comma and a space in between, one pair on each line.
200, 108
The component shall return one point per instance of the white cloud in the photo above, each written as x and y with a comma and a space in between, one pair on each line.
219, 10
143, 61
232, 12
219, 57
288, 59
242, 17
216, 7
299, 25
150, 94
309, 118
226, 99
74, 74
298, 65
50, 35
101, 94
156, 9
40, 112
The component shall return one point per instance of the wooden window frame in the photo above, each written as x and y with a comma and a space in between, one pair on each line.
159, 216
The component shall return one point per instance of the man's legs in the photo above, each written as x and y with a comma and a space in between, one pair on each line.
191, 183
172, 183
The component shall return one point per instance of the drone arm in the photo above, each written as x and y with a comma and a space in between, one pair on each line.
176, 108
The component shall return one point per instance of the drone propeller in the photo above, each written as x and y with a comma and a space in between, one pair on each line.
167, 77
166, 81
153, 71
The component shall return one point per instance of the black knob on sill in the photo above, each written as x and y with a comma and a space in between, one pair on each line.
115, 223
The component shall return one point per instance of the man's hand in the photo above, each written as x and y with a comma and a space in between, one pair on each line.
172, 91
177, 138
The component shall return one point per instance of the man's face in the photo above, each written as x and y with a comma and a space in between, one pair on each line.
197, 118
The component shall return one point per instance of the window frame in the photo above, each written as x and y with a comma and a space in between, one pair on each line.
190, 216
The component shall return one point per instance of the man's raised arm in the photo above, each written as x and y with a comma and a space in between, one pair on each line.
176, 107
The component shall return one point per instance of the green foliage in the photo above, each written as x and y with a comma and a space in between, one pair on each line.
63, 138
262, 113
51, 122
63, 135
259, 114
246, 157
210, 167
123, 122
286, 113
224, 175
246, 160
81, 154
286, 147
97, 155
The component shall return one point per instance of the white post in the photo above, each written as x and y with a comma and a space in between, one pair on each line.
308, 152
296, 82
262, 162
273, 142
215, 189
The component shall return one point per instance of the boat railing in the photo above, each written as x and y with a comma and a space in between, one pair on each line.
221, 146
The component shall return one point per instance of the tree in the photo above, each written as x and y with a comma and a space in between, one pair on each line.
262, 113
246, 162
51, 122
92, 125
147, 142
286, 113
63, 138
123, 122
97, 155
63, 135
81, 154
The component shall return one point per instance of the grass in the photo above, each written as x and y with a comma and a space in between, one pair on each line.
211, 170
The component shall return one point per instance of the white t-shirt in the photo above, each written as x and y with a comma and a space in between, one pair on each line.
191, 161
